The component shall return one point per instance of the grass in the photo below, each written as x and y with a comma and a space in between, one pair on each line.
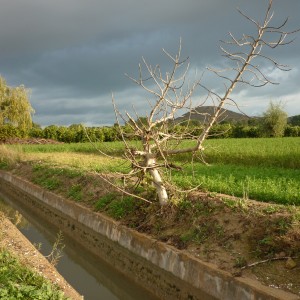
265, 169
80, 162
265, 184
267, 152
116, 207
19, 282
115, 148
262, 152
46, 177
75, 192
9, 156
104, 201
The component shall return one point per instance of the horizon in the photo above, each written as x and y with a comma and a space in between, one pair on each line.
110, 125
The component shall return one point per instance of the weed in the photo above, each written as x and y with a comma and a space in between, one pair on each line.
203, 208
268, 240
283, 224
296, 217
37, 167
104, 201
246, 188
264, 246
197, 235
90, 194
57, 248
75, 192
17, 218
229, 202
120, 207
157, 227
116, 207
212, 194
4, 165
271, 209
184, 205
49, 177
240, 262
242, 204
219, 230
71, 173
19, 282
188, 236
9, 157
48, 183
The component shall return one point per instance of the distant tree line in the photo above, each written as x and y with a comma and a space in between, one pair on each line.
77, 133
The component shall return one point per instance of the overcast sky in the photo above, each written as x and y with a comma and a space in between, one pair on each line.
73, 54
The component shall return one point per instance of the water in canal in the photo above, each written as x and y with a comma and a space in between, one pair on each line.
91, 277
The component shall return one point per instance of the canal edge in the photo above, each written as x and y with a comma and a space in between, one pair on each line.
201, 275
30, 255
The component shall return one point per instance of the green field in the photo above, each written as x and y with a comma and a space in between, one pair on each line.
261, 169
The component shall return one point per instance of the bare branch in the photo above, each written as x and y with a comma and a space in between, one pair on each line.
120, 189
266, 261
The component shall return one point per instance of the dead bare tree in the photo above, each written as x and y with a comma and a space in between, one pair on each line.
170, 93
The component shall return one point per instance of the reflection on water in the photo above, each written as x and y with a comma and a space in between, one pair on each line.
91, 277
14, 215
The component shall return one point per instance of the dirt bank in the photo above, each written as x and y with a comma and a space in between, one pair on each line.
15, 242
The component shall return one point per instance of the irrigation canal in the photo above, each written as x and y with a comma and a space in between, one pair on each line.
92, 278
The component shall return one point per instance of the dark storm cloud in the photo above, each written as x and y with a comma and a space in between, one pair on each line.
74, 53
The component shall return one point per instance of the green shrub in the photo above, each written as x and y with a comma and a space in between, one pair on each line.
10, 131
292, 131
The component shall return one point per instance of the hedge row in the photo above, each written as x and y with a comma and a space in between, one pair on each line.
78, 134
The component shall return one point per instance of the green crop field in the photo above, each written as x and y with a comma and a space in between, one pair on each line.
261, 169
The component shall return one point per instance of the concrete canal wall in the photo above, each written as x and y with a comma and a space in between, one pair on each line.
164, 270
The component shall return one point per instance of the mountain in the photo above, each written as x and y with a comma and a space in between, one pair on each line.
203, 113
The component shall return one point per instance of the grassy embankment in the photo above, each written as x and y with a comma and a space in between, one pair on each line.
262, 169
231, 233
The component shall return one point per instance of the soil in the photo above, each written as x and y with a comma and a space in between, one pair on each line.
242, 236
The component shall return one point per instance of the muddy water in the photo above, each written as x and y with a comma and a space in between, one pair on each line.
91, 277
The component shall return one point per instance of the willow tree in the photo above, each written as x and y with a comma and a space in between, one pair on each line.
274, 120
169, 94
15, 108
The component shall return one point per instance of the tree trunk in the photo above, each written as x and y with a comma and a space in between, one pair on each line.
157, 181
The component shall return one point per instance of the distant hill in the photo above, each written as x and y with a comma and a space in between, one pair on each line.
294, 120
203, 113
